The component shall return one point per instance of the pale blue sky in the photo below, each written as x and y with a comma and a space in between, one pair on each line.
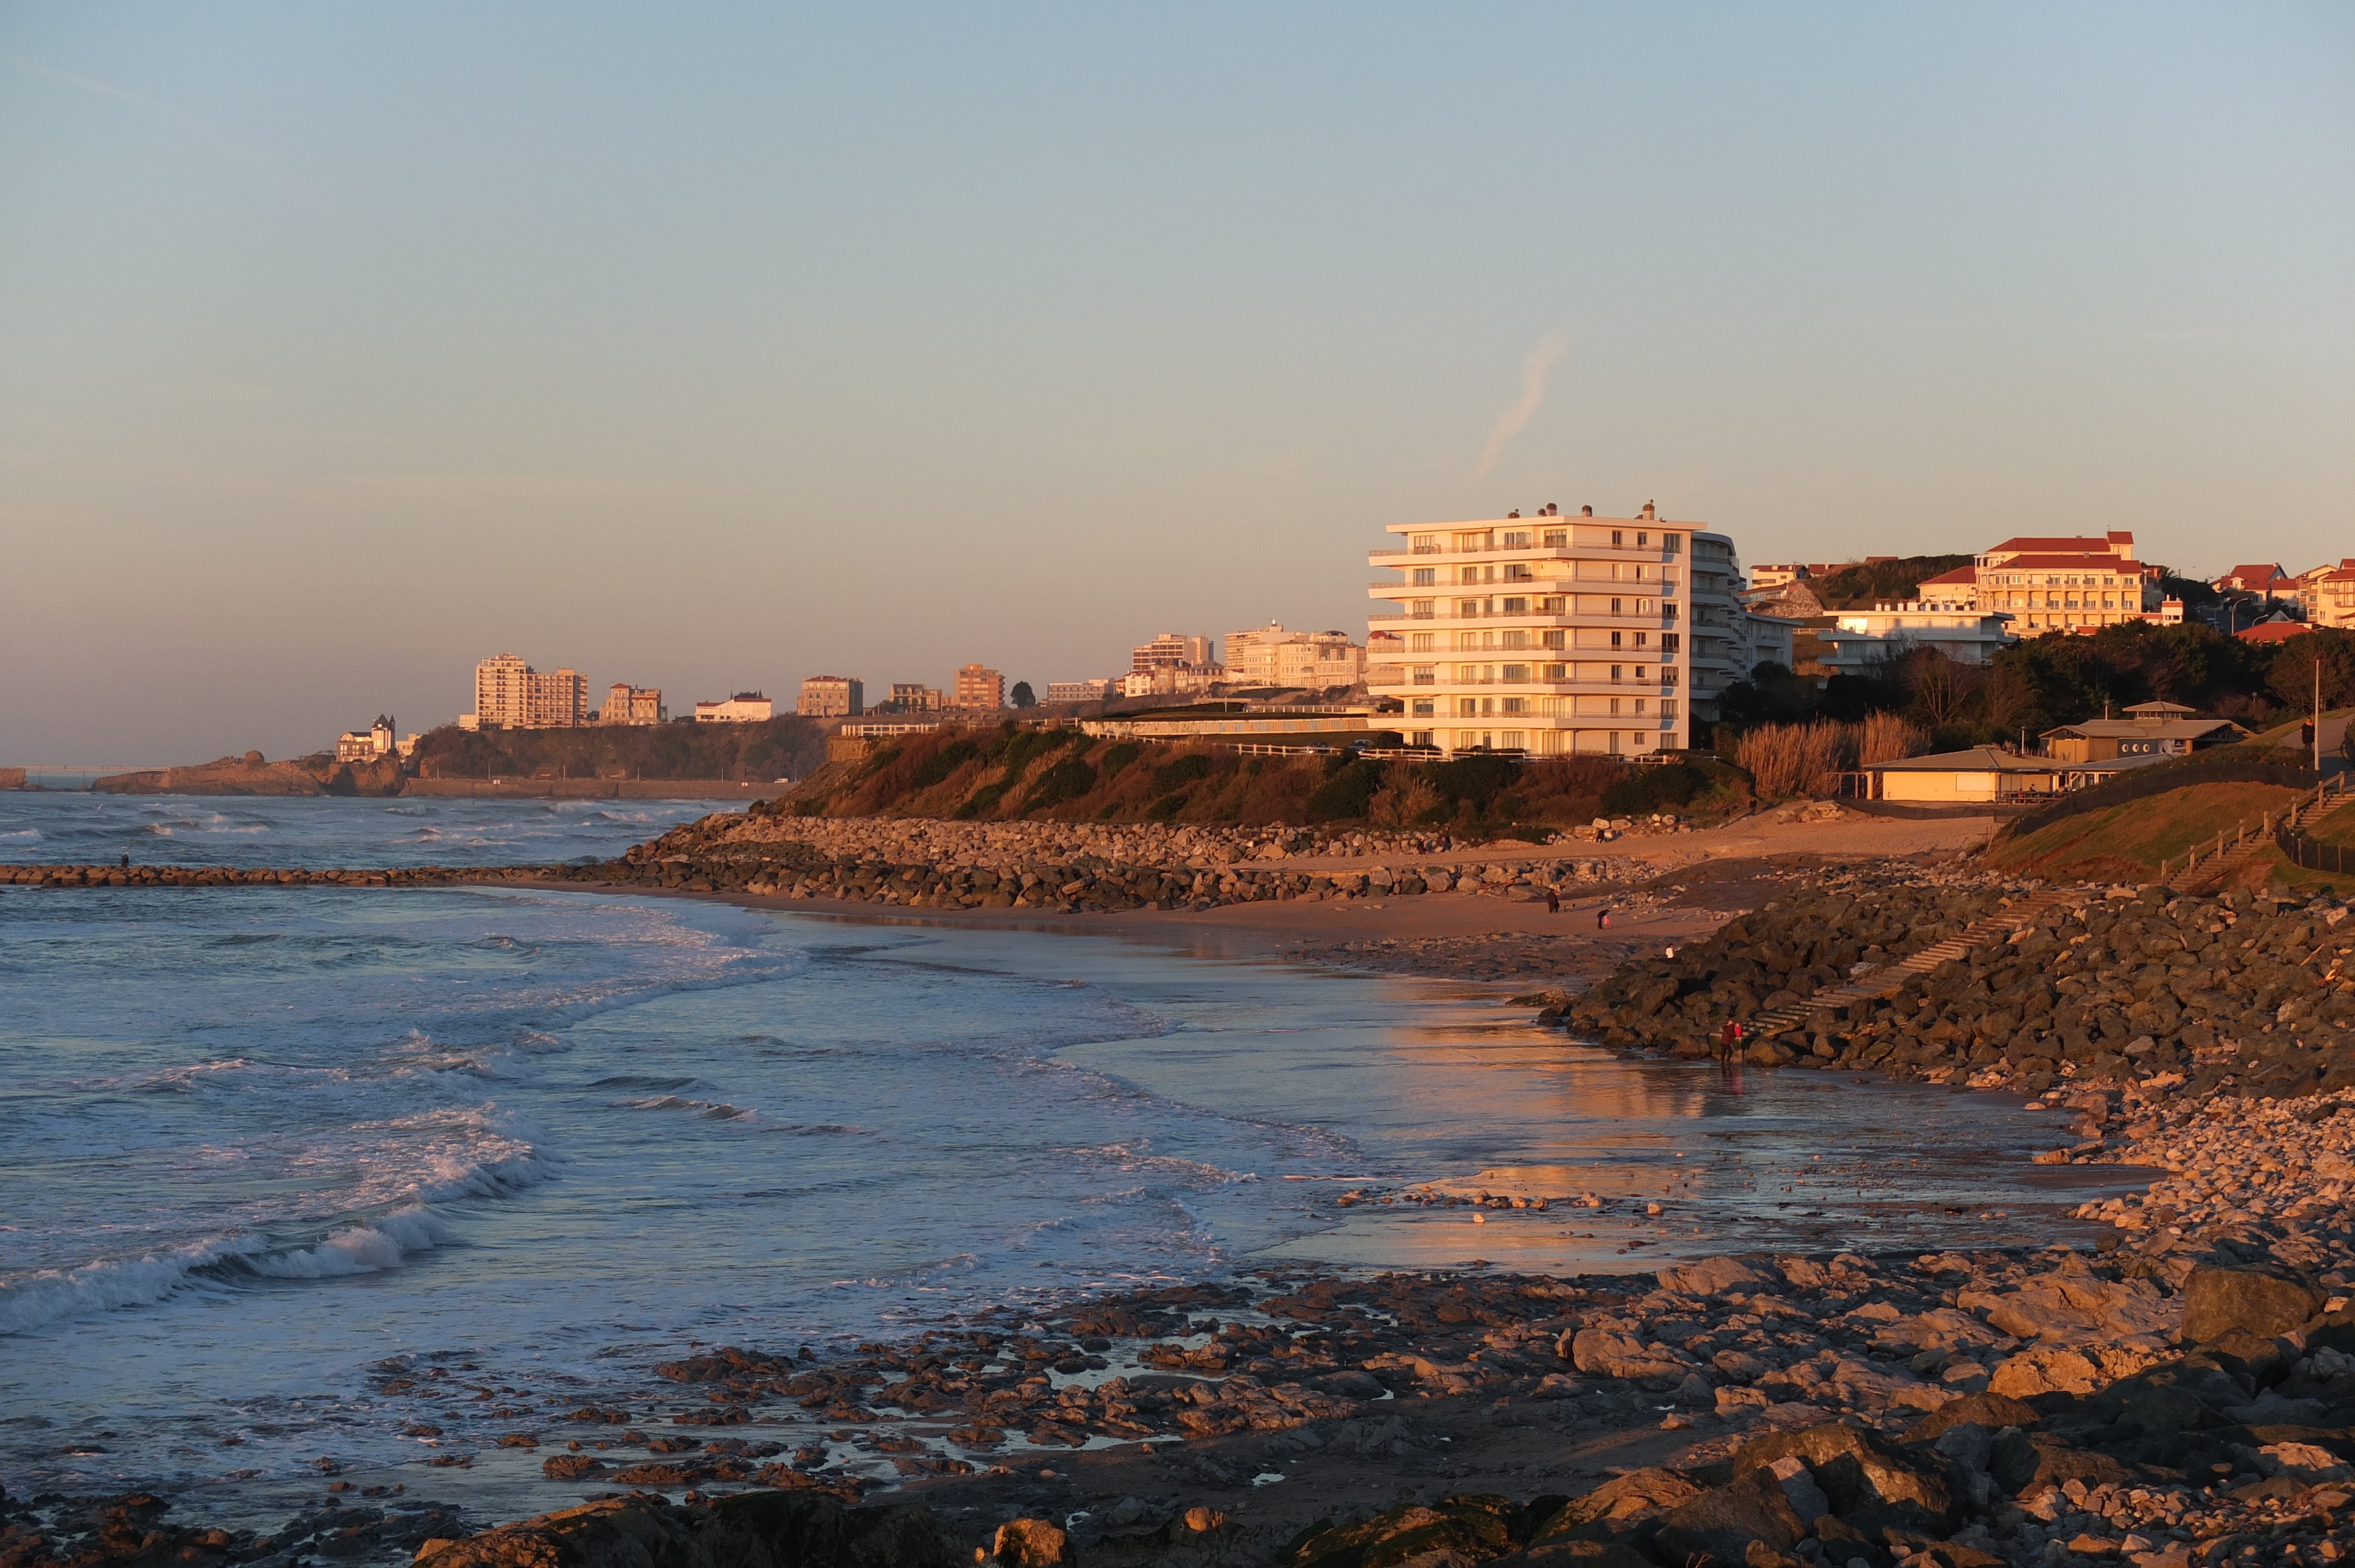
706, 346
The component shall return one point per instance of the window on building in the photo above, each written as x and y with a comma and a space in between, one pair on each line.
1615, 672
1421, 608
1515, 673
1426, 543
1419, 642
1556, 672
1553, 607
1615, 705
1467, 574
1615, 605
1426, 577
1612, 737
1644, 607
1614, 639
1668, 543
1517, 607
1614, 538
1426, 675
1641, 638
1514, 705
1667, 675
1555, 638
1639, 705
1667, 709
1669, 642
1518, 572
1467, 610
1516, 539
1512, 740
1468, 708
1557, 538
1421, 707
1643, 540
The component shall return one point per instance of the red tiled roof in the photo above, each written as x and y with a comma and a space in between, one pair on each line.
2065, 545
2068, 564
2273, 631
2257, 572
1964, 575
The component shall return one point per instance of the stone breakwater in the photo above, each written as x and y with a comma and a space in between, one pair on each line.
2241, 994
1051, 866
1943, 1410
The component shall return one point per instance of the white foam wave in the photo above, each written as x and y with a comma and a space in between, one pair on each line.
365, 1248
22, 833
46, 1295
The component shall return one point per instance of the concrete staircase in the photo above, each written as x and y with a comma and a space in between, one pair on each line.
1889, 979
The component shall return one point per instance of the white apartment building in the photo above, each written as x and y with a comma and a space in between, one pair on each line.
832, 696
1270, 656
511, 694
1080, 690
1552, 634
1864, 637
368, 745
744, 707
1171, 651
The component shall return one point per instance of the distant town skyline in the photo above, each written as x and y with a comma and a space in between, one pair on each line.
342, 349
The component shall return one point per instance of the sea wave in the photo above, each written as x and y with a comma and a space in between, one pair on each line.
49, 1294
368, 1247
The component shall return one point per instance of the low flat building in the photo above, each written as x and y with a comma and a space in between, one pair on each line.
832, 696
2150, 729
1171, 680
916, 698
744, 707
1981, 774
1080, 690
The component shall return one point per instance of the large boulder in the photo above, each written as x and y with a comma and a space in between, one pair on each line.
2258, 1298
749, 1530
1991, 1410
1721, 1524
1458, 1529
1033, 1543
2072, 1305
1866, 1478
1627, 1509
1608, 1351
1713, 1277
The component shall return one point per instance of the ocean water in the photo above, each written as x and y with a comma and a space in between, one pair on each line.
258, 1146
69, 827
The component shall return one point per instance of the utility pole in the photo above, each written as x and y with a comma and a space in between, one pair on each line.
2318, 713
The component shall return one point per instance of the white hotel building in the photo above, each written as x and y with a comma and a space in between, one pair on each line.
1552, 634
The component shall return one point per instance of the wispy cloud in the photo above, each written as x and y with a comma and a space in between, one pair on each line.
1535, 370
195, 126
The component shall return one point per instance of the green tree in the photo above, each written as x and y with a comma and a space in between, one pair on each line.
1022, 696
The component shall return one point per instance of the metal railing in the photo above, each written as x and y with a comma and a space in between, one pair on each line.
2260, 827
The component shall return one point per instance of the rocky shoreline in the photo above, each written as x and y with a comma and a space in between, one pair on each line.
2185, 1393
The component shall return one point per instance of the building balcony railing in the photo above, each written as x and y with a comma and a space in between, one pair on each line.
1575, 552
1540, 687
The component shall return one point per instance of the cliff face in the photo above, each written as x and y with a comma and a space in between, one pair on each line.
250, 775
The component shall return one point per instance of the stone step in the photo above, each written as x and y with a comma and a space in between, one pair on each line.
1891, 977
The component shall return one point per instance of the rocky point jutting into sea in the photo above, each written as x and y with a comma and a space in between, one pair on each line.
2181, 1391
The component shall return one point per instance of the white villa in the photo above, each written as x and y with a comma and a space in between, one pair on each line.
1552, 634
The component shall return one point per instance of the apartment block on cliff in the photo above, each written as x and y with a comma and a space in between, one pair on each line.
1270, 656
511, 694
832, 696
626, 704
979, 686
1553, 634
2073, 582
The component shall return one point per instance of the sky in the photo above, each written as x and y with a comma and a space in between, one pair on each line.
710, 347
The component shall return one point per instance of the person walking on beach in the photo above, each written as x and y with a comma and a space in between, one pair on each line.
1603, 917
1725, 1041
1553, 902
